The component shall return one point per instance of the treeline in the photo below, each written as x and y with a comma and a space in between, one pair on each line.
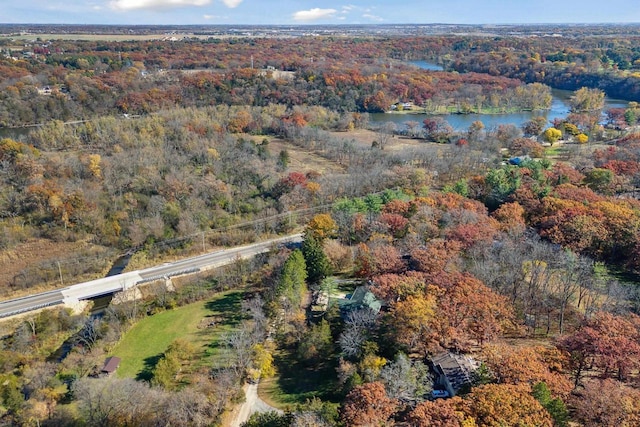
611, 64
88, 79
362, 74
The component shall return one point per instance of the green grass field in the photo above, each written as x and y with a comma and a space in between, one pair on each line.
143, 345
296, 383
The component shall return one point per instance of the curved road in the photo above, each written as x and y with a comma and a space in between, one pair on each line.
125, 281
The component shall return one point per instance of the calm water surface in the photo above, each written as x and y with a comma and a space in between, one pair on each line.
559, 109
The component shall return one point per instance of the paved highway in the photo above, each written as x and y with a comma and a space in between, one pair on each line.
125, 281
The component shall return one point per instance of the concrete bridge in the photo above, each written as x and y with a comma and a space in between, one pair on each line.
71, 295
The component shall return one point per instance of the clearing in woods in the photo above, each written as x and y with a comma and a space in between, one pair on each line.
202, 323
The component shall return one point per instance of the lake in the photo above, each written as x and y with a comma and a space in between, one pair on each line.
559, 109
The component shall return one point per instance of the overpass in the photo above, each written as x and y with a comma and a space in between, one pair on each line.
121, 282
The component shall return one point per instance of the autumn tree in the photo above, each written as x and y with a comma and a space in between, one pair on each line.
412, 321
322, 226
437, 129
469, 310
511, 218
608, 342
607, 403
535, 126
497, 405
368, 405
587, 100
437, 413
552, 135
262, 361
528, 365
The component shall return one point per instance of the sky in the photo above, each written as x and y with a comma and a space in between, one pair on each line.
292, 12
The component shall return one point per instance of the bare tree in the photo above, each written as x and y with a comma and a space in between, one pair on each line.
187, 408
405, 380
574, 270
115, 402
384, 133
90, 333
358, 325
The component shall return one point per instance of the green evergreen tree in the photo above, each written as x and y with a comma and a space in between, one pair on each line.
556, 407
318, 265
283, 160
293, 286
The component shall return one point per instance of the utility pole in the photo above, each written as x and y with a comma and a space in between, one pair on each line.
204, 248
60, 273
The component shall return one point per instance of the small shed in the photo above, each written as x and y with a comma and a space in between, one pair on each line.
110, 365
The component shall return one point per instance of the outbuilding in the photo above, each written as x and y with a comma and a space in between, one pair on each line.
110, 366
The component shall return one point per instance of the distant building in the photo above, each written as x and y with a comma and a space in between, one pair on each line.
453, 372
110, 366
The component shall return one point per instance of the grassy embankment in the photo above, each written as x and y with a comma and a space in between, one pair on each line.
143, 345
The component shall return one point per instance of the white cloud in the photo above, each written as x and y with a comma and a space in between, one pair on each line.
313, 14
372, 17
231, 3
157, 4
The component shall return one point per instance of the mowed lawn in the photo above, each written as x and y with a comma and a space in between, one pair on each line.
201, 323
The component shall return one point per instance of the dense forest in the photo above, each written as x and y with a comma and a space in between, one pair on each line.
514, 246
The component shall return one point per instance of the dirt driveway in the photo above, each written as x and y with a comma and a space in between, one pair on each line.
251, 405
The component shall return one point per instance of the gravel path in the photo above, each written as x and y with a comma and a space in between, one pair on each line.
251, 405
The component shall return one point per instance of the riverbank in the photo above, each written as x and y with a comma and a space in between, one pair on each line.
454, 110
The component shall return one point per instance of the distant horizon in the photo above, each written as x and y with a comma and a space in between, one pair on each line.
326, 12
480, 24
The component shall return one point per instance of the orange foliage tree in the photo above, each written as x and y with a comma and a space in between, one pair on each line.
608, 342
368, 405
498, 405
527, 365
438, 413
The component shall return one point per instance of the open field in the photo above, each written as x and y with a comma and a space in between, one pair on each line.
300, 159
201, 323
365, 137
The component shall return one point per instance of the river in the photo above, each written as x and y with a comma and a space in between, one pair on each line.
559, 109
